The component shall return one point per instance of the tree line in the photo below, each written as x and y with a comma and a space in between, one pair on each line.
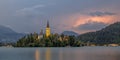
54, 40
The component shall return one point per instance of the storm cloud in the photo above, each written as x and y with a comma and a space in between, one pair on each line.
98, 13
91, 25
31, 15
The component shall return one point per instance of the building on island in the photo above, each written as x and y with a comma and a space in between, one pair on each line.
41, 34
47, 32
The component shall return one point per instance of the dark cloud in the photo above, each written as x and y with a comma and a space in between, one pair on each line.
31, 15
91, 25
98, 13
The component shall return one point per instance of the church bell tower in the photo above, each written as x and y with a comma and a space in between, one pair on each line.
48, 33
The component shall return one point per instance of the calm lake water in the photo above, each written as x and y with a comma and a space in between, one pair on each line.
81, 53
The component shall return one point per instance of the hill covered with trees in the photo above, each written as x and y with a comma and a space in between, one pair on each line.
70, 33
107, 35
7, 35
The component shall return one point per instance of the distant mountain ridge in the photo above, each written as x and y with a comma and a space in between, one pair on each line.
70, 33
4, 29
8, 35
109, 34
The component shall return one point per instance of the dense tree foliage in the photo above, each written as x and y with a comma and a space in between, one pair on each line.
55, 40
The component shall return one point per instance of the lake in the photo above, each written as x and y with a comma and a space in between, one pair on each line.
71, 53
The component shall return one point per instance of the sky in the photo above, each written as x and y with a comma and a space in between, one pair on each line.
81, 16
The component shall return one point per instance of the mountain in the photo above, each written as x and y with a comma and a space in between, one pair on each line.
70, 33
109, 34
5, 30
8, 35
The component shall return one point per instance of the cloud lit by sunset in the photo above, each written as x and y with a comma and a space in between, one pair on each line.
104, 19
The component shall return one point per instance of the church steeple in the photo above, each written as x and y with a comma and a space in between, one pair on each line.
41, 32
48, 33
48, 24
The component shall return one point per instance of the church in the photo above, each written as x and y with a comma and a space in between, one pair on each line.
47, 31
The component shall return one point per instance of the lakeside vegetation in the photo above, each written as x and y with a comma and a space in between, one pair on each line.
55, 40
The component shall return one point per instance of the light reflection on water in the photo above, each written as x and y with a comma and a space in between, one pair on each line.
46, 57
37, 54
60, 55
48, 54
83, 53
78, 54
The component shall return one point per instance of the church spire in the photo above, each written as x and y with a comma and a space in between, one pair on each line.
41, 33
48, 24
48, 32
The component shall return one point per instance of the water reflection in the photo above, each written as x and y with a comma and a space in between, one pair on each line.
60, 55
77, 54
37, 54
46, 57
48, 54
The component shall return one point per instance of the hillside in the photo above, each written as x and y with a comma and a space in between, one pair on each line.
70, 33
8, 35
109, 34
